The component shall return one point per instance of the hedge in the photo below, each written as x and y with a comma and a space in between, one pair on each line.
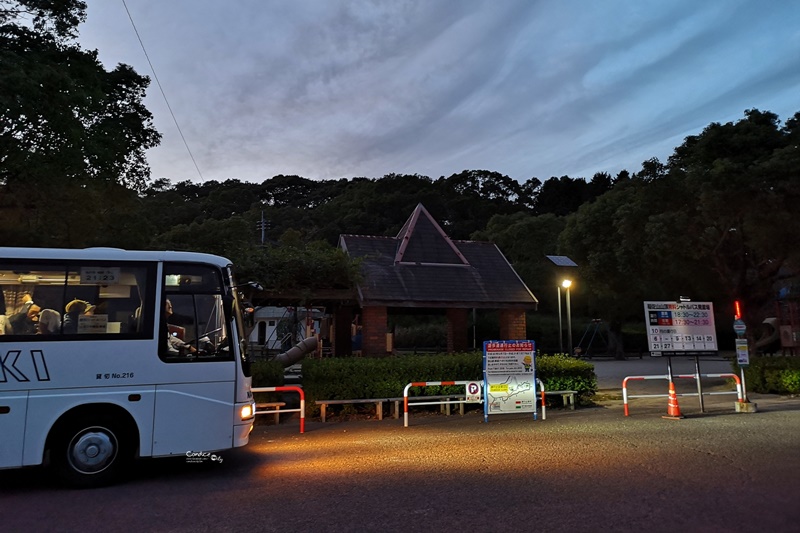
267, 374
386, 377
772, 375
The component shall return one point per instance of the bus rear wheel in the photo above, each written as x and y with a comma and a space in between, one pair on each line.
91, 454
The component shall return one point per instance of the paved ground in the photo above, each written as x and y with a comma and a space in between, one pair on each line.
611, 372
592, 469
649, 397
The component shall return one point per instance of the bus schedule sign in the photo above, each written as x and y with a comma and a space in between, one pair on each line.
680, 328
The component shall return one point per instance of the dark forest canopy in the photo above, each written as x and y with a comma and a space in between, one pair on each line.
322, 210
716, 221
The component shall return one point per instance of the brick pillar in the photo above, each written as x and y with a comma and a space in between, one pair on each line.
373, 330
512, 324
342, 339
457, 330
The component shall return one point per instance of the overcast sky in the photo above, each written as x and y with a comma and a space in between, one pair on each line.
331, 89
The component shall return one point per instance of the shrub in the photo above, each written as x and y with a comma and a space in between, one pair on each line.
772, 375
427, 335
560, 372
790, 380
354, 378
267, 374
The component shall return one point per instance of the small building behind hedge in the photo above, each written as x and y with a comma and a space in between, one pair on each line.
423, 268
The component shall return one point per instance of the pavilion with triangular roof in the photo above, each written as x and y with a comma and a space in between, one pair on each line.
423, 268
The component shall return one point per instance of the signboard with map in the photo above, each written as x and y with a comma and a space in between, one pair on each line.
509, 373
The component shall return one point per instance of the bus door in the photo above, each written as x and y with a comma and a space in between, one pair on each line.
195, 405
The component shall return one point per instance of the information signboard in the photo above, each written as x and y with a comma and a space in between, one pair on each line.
680, 328
509, 370
742, 353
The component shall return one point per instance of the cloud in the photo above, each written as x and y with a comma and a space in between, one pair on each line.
329, 89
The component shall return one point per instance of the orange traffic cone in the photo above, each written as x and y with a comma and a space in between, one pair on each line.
673, 410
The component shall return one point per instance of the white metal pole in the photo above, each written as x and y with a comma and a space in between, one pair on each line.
569, 325
560, 327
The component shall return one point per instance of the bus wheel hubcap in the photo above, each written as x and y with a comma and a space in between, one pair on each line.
92, 451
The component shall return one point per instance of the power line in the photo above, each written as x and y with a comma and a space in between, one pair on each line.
158, 82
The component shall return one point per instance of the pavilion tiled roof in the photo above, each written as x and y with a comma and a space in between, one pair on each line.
423, 267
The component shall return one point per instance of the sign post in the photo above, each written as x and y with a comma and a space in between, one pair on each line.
473, 392
742, 355
743, 360
509, 374
681, 328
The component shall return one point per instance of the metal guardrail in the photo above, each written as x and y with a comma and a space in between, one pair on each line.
286, 388
625, 395
429, 384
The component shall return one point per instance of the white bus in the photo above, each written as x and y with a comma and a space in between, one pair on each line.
107, 355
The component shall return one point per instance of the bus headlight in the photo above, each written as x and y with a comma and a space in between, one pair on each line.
248, 411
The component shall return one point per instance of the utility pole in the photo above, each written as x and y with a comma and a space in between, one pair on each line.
262, 225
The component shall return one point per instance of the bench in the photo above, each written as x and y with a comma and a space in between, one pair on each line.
273, 408
567, 396
394, 403
377, 401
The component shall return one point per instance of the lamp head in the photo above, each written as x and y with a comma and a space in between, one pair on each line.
567, 283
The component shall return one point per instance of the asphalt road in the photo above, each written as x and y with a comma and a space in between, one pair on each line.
611, 372
591, 469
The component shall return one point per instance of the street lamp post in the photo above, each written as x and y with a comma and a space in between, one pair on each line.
562, 261
560, 327
567, 284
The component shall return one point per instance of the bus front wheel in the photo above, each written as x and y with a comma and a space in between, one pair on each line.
91, 454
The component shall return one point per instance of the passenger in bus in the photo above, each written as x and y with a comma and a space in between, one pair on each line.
74, 310
16, 319
5, 326
24, 322
49, 322
175, 345
27, 302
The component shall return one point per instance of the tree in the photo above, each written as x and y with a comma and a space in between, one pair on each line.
528, 192
230, 238
564, 195
716, 222
64, 120
375, 206
484, 184
600, 184
599, 237
742, 215
525, 239
283, 191
63, 115
296, 269
470, 198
